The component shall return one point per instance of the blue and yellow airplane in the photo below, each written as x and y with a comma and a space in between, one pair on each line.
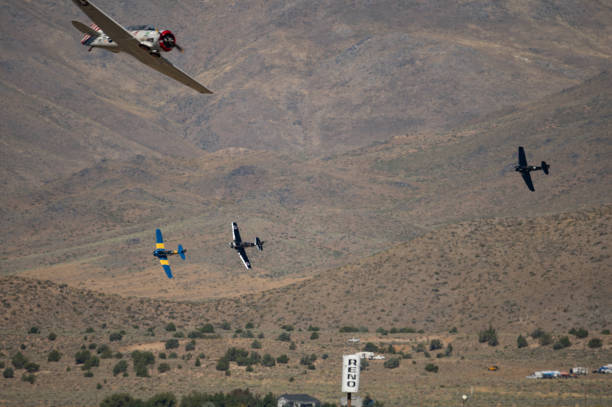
162, 254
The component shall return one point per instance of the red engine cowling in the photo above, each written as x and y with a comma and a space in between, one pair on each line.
167, 41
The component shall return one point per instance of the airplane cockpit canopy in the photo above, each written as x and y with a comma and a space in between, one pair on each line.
141, 27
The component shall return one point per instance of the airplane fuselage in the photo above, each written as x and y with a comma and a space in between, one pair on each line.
153, 40
241, 245
526, 169
162, 252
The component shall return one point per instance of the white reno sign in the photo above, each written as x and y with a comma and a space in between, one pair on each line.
350, 373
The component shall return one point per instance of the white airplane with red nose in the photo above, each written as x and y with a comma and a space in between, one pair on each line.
143, 42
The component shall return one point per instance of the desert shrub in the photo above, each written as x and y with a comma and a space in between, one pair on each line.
453, 330
118, 355
284, 337
120, 367
8, 373
197, 362
256, 344
2, 365
268, 360
308, 359
292, 346
430, 367
170, 327
314, 335
579, 332
172, 355
595, 343
392, 363
247, 334
349, 328
605, 332
115, 337
521, 342
282, 359
382, 331
104, 351
92, 346
121, 400
179, 334
561, 343
435, 344
34, 330
313, 328
449, 350
19, 361
545, 339
172, 344
226, 326
370, 347
82, 356
30, 378
190, 346
195, 334
324, 356
489, 336
52, 336
32, 367
141, 371
364, 364
88, 373
287, 328
163, 367
162, 400
207, 329
93, 361
537, 333
143, 357
89, 330
249, 325
222, 364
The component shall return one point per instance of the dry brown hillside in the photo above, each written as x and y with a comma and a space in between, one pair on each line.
515, 273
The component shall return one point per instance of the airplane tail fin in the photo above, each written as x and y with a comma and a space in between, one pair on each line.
545, 167
91, 33
259, 244
181, 251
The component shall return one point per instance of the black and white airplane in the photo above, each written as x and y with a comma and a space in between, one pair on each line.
238, 245
525, 169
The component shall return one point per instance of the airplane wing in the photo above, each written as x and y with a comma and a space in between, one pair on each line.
159, 239
166, 266
522, 160
236, 233
244, 258
527, 177
128, 43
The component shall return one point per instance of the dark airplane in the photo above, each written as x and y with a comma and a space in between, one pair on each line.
525, 169
238, 245
162, 254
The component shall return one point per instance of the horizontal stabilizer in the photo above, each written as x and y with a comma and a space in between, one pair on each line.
85, 29
545, 167
259, 244
181, 251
